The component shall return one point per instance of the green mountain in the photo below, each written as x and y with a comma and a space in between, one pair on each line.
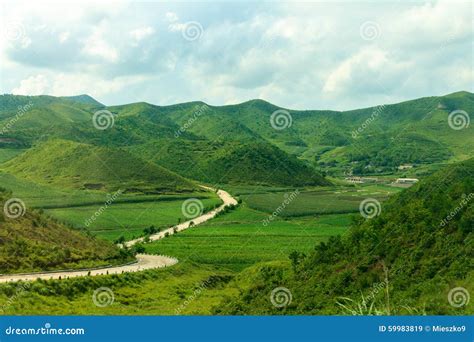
65, 163
85, 99
369, 140
229, 162
404, 261
35, 242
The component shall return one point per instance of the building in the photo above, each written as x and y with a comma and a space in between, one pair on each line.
406, 180
405, 166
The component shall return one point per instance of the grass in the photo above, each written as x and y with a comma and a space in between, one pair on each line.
9, 153
153, 292
129, 219
239, 239
318, 201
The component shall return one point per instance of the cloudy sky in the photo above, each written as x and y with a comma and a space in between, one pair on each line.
312, 55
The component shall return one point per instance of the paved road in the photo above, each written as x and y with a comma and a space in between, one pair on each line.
144, 261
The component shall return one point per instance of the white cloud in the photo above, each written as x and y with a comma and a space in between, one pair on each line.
142, 32
171, 16
300, 55
34, 85
97, 45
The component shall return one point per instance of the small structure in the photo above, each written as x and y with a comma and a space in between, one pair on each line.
406, 180
405, 166
360, 180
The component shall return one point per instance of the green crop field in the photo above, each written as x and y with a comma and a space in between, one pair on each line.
321, 201
129, 219
240, 239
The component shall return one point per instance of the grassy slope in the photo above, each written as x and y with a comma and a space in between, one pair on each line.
34, 242
230, 162
407, 244
74, 165
409, 132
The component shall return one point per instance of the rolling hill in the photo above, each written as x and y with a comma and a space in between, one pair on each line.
230, 162
367, 141
35, 242
64, 163
404, 261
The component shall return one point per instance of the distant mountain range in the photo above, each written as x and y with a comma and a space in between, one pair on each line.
243, 143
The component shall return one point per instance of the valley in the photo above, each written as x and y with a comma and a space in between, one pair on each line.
314, 207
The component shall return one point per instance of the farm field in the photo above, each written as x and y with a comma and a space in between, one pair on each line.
316, 202
127, 215
239, 239
130, 218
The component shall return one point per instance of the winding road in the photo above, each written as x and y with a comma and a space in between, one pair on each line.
143, 262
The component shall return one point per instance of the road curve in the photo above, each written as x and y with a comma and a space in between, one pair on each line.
144, 261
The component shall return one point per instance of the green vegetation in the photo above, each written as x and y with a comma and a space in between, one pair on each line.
239, 239
182, 289
65, 163
318, 201
147, 162
129, 219
34, 242
416, 249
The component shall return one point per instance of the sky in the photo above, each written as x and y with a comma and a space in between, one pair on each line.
299, 55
